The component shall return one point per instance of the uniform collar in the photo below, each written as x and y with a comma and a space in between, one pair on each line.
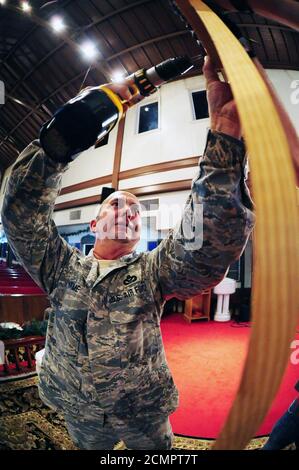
96, 274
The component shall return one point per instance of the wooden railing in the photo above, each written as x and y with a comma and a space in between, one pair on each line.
14, 348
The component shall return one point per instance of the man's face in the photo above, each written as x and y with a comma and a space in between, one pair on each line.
119, 219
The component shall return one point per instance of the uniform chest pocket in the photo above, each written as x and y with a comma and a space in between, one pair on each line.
129, 303
124, 312
127, 319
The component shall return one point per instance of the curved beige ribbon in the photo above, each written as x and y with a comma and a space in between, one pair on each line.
275, 303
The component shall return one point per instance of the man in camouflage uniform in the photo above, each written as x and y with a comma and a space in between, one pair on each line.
104, 366
286, 429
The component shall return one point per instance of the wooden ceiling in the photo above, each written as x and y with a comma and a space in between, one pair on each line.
41, 70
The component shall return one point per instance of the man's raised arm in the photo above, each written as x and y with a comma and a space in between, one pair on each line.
218, 216
27, 216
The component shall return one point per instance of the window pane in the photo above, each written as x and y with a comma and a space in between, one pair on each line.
150, 204
148, 117
200, 104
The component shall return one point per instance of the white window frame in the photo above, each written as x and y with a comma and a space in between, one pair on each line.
142, 104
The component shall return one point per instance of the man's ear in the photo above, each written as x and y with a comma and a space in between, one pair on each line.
93, 225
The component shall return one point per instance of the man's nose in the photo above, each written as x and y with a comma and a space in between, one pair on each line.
130, 214
125, 211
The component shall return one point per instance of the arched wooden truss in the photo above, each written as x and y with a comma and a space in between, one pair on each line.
272, 145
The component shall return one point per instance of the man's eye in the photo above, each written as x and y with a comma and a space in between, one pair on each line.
115, 204
135, 210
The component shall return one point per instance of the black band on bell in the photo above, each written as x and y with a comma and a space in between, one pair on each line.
145, 87
241, 5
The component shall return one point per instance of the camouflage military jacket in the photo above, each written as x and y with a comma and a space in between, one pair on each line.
104, 346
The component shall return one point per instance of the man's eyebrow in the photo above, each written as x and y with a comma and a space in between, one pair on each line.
136, 203
120, 198
115, 199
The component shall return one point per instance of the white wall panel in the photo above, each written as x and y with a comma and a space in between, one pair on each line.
169, 200
92, 163
170, 209
87, 214
97, 190
156, 178
179, 136
286, 83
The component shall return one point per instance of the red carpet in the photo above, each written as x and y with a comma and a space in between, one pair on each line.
206, 360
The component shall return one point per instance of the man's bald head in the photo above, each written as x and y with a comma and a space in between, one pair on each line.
118, 219
121, 196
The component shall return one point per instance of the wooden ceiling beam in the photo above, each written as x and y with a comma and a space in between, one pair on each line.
125, 51
148, 42
266, 25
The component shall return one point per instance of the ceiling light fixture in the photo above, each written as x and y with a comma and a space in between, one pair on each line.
26, 7
89, 50
57, 24
118, 77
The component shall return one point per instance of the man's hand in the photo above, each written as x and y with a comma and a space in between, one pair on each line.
222, 107
127, 91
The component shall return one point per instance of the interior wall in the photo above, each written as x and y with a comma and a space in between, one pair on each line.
179, 136
286, 84
22, 308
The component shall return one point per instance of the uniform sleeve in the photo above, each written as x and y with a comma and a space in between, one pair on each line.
27, 216
215, 226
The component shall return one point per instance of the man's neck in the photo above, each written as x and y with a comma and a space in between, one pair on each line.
111, 249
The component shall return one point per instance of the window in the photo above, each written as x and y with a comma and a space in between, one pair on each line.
150, 204
235, 271
151, 245
87, 248
148, 117
200, 104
